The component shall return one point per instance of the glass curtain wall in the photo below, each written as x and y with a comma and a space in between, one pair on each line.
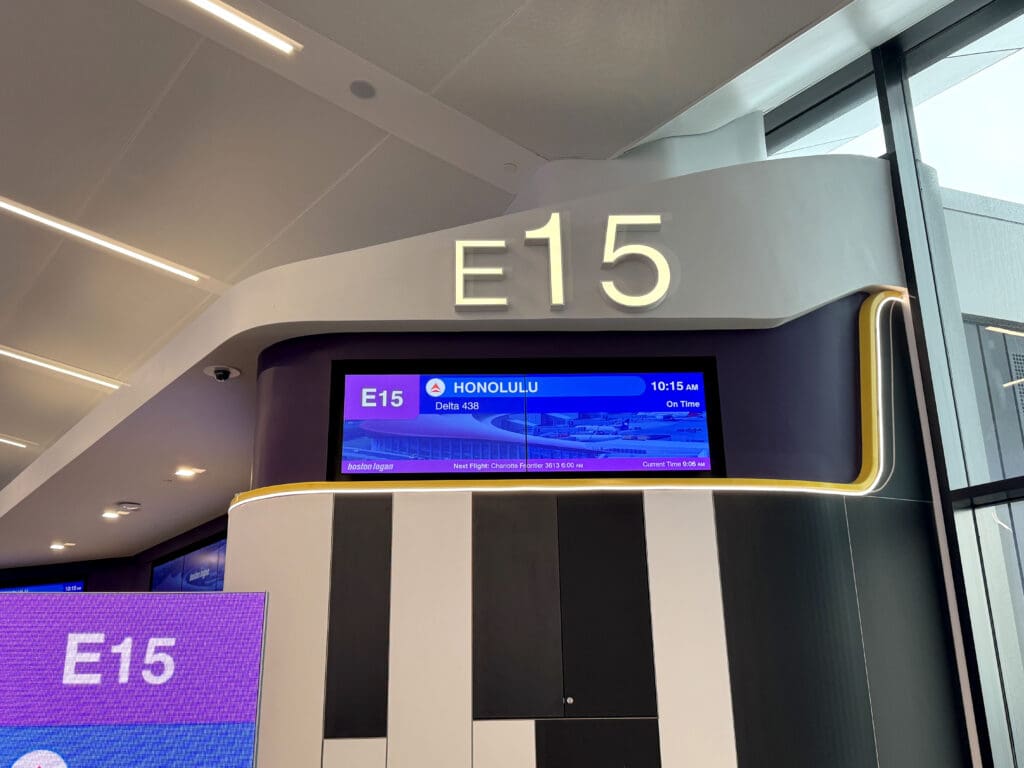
969, 108
991, 538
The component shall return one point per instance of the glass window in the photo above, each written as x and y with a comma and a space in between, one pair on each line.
990, 540
969, 109
847, 124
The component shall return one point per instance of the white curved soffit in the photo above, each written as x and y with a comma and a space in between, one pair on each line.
750, 246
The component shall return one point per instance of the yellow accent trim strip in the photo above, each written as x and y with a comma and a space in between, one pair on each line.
872, 451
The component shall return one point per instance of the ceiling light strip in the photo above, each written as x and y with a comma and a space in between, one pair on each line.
16, 208
52, 365
1013, 383
249, 25
18, 442
1007, 331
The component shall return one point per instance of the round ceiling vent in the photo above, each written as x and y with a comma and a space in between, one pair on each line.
361, 89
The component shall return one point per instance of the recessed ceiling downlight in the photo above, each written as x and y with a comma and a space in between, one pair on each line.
111, 514
249, 25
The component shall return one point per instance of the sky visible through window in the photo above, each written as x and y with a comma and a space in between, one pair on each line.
969, 109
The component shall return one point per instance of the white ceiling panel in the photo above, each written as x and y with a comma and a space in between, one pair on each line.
233, 153
397, 192
40, 406
584, 78
12, 461
96, 311
22, 248
76, 79
420, 42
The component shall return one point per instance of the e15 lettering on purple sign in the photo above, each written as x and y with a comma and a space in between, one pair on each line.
156, 668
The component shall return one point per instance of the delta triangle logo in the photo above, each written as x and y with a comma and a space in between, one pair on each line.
41, 758
435, 387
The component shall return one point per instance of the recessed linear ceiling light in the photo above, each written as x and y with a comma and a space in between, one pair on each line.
1013, 383
1007, 331
51, 365
16, 208
188, 471
110, 514
249, 25
17, 442
57, 546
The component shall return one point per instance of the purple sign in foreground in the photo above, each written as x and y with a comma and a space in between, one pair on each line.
129, 659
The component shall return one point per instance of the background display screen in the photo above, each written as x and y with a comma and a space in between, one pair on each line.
65, 586
201, 570
134, 679
443, 422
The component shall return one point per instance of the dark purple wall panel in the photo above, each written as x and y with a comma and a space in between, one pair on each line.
789, 395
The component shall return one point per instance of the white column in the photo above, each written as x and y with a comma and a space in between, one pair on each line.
430, 690
691, 664
282, 546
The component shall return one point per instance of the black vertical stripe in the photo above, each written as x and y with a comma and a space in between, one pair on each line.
598, 743
608, 653
517, 635
357, 651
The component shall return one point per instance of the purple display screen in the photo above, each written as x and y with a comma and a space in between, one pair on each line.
549, 423
144, 680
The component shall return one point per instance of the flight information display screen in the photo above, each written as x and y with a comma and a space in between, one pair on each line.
129, 679
64, 586
453, 419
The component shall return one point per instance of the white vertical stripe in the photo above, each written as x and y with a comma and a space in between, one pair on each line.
504, 744
691, 664
430, 692
355, 753
282, 546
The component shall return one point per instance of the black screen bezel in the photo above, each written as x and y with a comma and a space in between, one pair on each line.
539, 365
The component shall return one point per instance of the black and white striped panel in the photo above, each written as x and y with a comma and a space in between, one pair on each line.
746, 630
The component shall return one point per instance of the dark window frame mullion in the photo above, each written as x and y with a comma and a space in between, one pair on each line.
903, 156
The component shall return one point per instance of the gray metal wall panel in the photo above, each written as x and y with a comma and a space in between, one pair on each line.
796, 661
908, 647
